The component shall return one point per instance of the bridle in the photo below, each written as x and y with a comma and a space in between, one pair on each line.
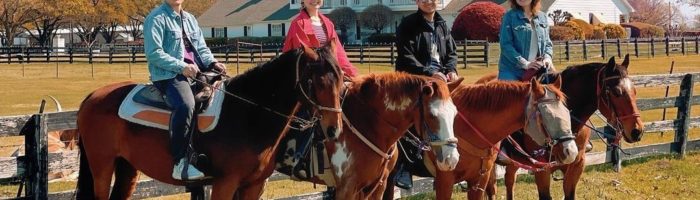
536, 117
605, 100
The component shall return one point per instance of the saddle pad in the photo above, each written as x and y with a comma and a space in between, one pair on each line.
160, 118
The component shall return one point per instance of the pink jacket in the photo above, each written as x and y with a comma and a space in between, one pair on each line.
301, 32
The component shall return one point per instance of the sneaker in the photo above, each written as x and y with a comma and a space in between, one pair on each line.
191, 174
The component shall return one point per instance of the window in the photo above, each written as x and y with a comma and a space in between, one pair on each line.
219, 32
276, 29
246, 31
356, 2
343, 2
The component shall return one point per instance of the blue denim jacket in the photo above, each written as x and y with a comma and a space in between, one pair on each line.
162, 35
515, 43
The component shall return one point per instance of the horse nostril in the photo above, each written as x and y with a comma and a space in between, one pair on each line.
331, 131
636, 134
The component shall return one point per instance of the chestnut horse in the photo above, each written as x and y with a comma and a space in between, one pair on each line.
254, 117
379, 109
603, 86
489, 113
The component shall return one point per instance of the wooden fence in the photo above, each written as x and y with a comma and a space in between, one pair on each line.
35, 165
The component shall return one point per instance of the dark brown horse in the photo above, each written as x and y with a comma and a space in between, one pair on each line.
241, 148
379, 109
602, 86
487, 114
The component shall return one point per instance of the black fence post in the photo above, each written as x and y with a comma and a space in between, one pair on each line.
585, 50
362, 53
652, 48
133, 54
697, 44
636, 47
90, 55
111, 53
487, 45
70, 55
683, 45
686, 96
567, 48
619, 48
667, 46
9, 55
392, 54
48, 54
464, 53
613, 150
26, 53
602, 49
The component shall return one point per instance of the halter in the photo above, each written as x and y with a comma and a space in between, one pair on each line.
432, 138
601, 87
298, 84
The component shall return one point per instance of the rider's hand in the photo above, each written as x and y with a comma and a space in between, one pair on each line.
190, 70
452, 76
219, 67
536, 65
439, 75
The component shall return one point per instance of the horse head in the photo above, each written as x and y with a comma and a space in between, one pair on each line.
617, 100
548, 120
320, 81
435, 121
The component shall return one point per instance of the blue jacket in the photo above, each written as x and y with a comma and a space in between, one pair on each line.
515, 43
164, 48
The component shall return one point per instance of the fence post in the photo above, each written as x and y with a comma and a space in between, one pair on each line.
568, 54
619, 48
653, 49
683, 45
26, 53
697, 41
70, 55
111, 52
686, 96
613, 150
48, 54
585, 50
636, 47
602, 49
362, 53
464, 53
133, 54
667, 46
392, 53
90, 54
37, 185
226, 53
9, 55
486, 53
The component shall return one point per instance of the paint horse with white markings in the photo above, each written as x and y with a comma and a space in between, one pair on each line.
378, 109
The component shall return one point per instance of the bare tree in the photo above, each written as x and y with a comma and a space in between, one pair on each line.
13, 15
560, 17
376, 17
343, 18
656, 12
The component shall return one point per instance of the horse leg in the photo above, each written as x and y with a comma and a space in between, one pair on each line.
490, 190
389, 188
224, 188
571, 178
102, 178
443, 185
543, 179
509, 178
252, 191
125, 180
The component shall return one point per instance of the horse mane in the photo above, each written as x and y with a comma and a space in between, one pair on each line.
593, 67
407, 84
493, 95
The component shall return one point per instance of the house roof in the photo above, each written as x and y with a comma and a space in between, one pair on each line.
246, 12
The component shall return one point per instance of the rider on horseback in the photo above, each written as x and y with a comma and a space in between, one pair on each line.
176, 52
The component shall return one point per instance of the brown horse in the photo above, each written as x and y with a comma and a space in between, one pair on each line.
602, 86
240, 149
487, 114
379, 109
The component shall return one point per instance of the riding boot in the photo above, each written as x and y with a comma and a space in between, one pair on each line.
403, 176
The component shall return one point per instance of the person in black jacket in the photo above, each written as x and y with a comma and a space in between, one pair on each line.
425, 45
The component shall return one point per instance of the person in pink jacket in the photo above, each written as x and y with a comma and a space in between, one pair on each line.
312, 29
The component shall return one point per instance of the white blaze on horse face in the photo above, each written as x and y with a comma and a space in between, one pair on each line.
627, 83
340, 158
393, 105
446, 111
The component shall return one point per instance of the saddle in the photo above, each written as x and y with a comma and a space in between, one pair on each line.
146, 105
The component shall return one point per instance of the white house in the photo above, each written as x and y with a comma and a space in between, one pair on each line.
266, 18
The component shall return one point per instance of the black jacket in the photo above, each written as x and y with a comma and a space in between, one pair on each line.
412, 41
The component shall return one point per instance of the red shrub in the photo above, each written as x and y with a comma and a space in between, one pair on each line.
561, 33
478, 21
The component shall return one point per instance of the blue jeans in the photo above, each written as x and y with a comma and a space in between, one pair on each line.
179, 96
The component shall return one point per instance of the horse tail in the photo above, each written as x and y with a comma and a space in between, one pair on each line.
85, 186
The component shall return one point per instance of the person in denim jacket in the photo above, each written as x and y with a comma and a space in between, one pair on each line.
176, 51
524, 40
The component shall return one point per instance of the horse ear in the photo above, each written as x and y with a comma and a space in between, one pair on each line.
611, 65
626, 62
428, 88
452, 85
536, 88
557, 81
310, 53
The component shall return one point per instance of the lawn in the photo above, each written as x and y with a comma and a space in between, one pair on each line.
24, 85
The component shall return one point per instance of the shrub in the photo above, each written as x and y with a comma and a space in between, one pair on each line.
563, 33
578, 31
478, 21
614, 31
585, 27
598, 33
640, 29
